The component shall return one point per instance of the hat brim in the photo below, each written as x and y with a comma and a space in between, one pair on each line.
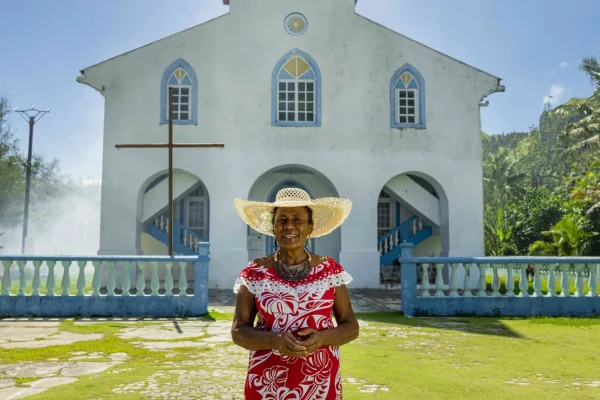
328, 214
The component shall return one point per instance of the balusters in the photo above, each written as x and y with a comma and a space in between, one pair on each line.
96, 278
396, 239
564, 283
81, 278
537, 281
182, 279
482, 282
495, 281
169, 279
154, 284
523, 281
66, 280
454, 280
162, 223
110, 285
6, 278
141, 279
467, 281
552, 281
593, 281
22, 283
35, 286
126, 282
50, 280
425, 280
439, 281
380, 249
579, 280
510, 281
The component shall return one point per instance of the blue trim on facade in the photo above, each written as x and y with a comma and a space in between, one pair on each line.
274, 78
156, 182
180, 63
181, 211
397, 213
393, 105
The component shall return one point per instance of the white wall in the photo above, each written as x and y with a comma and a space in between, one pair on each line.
355, 148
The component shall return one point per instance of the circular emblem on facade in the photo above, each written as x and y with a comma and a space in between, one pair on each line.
295, 24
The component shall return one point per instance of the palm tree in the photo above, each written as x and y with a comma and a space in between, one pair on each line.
567, 240
586, 130
589, 187
501, 176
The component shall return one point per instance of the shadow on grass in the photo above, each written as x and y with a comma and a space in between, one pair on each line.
475, 325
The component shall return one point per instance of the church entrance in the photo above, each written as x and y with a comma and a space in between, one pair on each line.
265, 188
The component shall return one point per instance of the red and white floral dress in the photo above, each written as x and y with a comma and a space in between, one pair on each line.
285, 306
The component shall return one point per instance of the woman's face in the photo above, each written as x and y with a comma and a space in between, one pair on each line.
292, 226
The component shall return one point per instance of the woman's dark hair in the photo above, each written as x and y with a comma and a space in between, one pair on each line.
308, 210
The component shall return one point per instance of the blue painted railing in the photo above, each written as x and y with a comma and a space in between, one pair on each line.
468, 292
184, 239
389, 245
121, 286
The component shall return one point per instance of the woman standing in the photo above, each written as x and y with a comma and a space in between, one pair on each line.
294, 347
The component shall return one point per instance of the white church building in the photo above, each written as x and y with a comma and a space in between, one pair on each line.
302, 94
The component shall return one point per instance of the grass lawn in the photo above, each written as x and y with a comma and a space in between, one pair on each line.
393, 358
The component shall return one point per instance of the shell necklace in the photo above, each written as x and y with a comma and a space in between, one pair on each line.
293, 273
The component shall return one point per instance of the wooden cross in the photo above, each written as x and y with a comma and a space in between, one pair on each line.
170, 145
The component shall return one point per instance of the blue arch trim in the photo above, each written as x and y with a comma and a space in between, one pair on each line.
180, 63
393, 100
285, 184
274, 76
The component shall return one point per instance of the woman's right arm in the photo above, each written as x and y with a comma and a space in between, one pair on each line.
244, 333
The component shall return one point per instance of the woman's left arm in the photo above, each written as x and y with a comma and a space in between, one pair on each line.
347, 325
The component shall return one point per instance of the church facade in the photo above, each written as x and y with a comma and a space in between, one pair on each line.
302, 94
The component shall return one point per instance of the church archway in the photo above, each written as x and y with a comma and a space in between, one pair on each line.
265, 188
191, 214
411, 207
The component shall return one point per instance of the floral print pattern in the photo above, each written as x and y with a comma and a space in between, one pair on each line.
285, 306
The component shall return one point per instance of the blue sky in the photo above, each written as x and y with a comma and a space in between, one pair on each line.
533, 45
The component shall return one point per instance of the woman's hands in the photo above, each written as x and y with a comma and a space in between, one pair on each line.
289, 345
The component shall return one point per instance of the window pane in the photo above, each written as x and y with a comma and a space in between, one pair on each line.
291, 96
282, 86
310, 117
411, 110
301, 117
411, 103
184, 107
310, 86
411, 95
176, 107
402, 94
402, 120
185, 91
281, 116
402, 110
281, 95
175, 91
309, 107
291, 86
175, 99
310, 96
291, 116
185, 99
291, 107
301, 86
184, 116
282, 106
301, 96
301, 107
411, 120
403, 102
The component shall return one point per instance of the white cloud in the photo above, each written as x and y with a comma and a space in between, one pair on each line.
555, 94
564, 64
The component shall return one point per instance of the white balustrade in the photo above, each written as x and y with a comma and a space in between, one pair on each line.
593, 280
182, 279
6, 278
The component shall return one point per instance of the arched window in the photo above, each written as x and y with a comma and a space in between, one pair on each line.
182, 78
296, 91
407, 91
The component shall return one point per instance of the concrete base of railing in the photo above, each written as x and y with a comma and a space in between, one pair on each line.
102, 306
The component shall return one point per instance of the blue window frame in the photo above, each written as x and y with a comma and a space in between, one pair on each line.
182, 78
296, 91
407, 98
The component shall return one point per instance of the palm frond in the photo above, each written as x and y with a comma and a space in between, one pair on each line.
588, 144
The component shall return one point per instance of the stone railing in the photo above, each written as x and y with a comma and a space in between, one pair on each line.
560, 286
107, 286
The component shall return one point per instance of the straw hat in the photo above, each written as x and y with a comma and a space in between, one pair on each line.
328, 212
